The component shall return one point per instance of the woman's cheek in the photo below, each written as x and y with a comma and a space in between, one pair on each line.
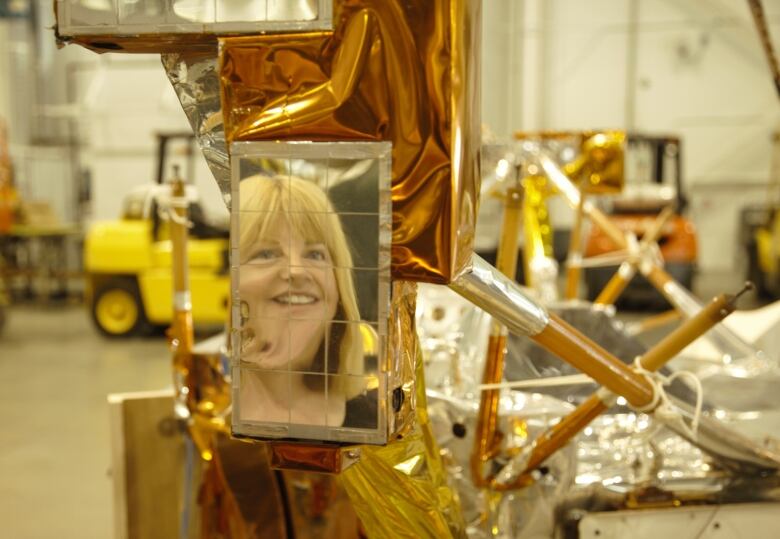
305, 339
252, 288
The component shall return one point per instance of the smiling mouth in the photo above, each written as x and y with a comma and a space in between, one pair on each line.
296, 299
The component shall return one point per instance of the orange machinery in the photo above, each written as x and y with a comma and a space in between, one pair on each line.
653, 181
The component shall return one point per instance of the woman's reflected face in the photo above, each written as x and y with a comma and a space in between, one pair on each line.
290, 288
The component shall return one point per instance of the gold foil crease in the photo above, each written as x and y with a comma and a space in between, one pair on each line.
401, 71
322, 458
401, 490
208, 400
401, 356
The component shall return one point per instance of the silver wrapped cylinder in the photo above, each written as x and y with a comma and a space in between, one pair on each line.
489, 289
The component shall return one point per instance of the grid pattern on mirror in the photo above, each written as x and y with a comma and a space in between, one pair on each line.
310, 259
147, 17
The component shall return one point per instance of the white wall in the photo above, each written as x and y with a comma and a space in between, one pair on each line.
119, 103
689, 67
126, 99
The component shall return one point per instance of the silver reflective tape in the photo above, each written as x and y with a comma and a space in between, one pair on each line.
182, 301
489, 289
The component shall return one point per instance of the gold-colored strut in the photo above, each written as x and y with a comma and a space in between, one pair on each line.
181, 332
580, 352
622, 277
487, 439
198, 378
559, 338
560, 434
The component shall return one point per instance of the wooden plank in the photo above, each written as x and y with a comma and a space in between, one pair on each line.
148, 460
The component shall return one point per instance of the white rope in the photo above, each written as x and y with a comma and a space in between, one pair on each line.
168, 211
179, 219
571, 380
614, 258
662, 407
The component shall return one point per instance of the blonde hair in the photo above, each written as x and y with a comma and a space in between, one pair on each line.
308, 212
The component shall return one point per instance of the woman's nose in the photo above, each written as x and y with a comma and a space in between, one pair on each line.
290, 272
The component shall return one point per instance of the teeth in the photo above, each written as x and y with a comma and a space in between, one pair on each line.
296, 299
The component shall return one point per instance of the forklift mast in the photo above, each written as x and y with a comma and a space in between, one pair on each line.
665, 169
164, 154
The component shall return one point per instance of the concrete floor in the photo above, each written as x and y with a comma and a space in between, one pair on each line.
54, 442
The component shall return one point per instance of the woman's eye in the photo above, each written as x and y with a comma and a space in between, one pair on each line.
266, 254
320, 255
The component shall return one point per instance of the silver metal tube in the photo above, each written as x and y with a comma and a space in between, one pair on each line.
489, 289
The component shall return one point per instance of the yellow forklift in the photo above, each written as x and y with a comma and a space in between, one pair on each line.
128, 261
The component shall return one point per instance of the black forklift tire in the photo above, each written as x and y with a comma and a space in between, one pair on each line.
117, 310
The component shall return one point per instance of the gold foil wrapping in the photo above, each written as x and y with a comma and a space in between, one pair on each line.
401, 490
599, 164
320, 507
320, 458
207, 395
242, 497
402, 71
401, 358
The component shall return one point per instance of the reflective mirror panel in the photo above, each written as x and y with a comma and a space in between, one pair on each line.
311, 289
148, 17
